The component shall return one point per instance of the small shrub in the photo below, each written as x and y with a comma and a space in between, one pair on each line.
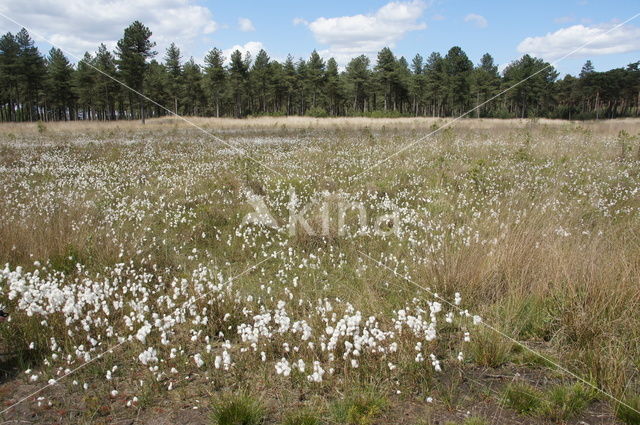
361, 409
523, 398
238, 409
629, 413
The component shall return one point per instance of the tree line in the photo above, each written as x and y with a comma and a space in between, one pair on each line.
50, 88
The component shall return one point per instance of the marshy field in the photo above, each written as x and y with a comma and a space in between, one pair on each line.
308, 271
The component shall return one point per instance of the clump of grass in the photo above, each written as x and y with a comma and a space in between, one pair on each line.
559, 403
303, 417
628, 412
566, 401
360, 409
523, 398
490, 349
237, 409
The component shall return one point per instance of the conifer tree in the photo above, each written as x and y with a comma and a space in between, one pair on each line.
133, 50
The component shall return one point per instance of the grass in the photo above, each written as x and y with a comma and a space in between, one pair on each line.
535, 224
359, 409
473, 420
558, 403
237, 409
304, 417
523, 398
628, 412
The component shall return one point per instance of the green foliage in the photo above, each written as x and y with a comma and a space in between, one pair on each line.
303, 417
237, 409
628, 412
559, 403
317, 112
490, 349
566, 401
523, 398
33, 87
359, 409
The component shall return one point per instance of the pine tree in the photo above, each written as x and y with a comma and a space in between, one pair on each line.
315, 76
156, 87
418, 83
290, 83
385, 74
237, 81
301, 86
457, 67
174, 74
435, 83
534, 91
84, 86
31, 75
59, 93
194, 97
358, 74
333, 87
133, 50
107, 88
9, 77
485, 83
215, 77
587, 69
260, 73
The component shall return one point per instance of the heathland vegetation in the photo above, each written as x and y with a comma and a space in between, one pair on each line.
153, 274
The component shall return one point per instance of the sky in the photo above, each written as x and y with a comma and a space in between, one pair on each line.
345, 28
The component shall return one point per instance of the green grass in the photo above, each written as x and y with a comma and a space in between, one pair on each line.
237, 409
523, 398
302, 417
629, 413
558, 403
359, 409
489, 348
567, 401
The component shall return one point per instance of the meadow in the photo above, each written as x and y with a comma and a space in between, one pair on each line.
284, 275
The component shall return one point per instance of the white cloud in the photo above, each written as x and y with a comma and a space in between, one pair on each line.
252, 47
349, 36
478, 20
81, 25
557, 44
245, 25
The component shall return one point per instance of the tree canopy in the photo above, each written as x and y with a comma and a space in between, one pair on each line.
38, 87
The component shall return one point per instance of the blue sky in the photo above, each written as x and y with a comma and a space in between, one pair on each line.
344, 29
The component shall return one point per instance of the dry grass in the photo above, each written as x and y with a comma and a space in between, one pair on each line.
602, 127
535, 223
